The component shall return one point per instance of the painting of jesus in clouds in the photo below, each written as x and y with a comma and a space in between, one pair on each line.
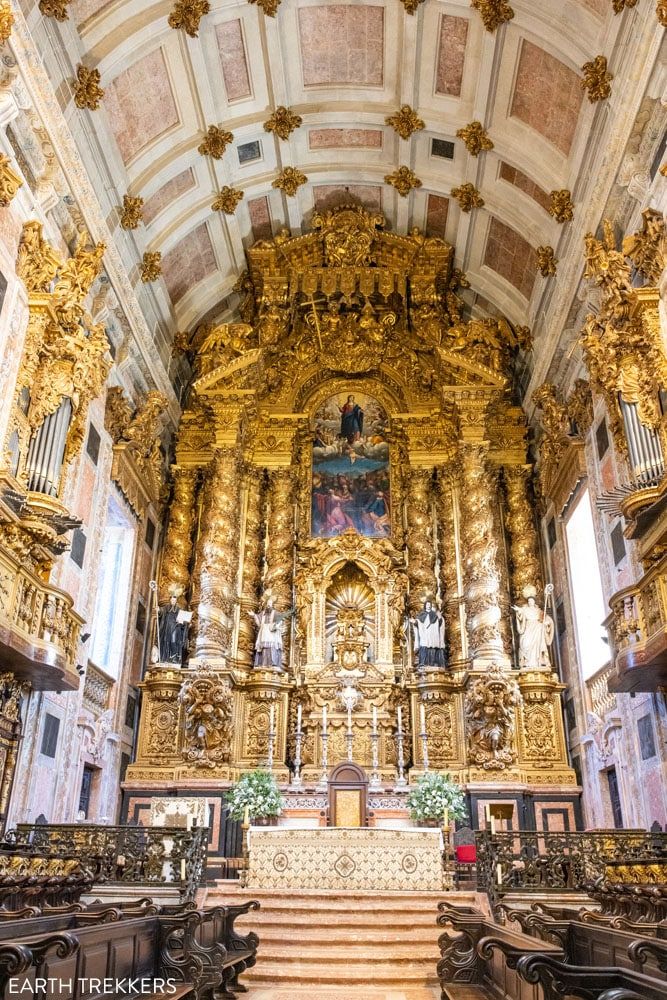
351, 485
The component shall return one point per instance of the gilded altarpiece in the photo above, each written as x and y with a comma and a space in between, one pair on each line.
349, 458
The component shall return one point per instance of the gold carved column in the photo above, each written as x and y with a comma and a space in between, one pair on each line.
251, 579
451, 573
280, 543
218, 554
421, 548
177, 554
524, 546
481, 557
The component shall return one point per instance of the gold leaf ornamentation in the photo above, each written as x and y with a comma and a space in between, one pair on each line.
187, 14
283, 122
475, 137
619, 5
131, 214
661, 12
55, 8
411, 6
405, 121
493, 12
562, 206
87, 90
467, 196
546, 261
289, 180
6, 21
227, 200
215, 142
404, 180
596, 81
10, 182
270, 7
151, 266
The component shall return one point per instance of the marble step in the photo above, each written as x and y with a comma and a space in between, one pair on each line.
298, 903
351, 974
393, 954
270, 933
338, 918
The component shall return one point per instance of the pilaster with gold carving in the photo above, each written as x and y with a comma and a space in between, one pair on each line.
421, 548
480, 544
159, 729
524, 545
177, 555
541, 735
280, 543
251, 573
217, 554
451, 569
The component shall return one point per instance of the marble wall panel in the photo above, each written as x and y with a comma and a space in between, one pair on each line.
344, 138
190, 261
140, 104
330, 195
547, 96
437, 209
451, 55
260, 218
169, 192
511, 256
231, 48
342, 45
522, 181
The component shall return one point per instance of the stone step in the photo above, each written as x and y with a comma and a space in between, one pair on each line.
337, 918
278, 933
320, 905
391, 954
349, 974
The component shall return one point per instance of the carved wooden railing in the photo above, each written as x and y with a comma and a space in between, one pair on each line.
529, 861
39, 629
637, 628
134, 855
600, 699
96, 689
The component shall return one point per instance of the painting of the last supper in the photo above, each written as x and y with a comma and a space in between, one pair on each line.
351, 483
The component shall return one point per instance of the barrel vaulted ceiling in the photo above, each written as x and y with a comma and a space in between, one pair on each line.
343, 68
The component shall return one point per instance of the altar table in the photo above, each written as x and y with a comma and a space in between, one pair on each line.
345, 858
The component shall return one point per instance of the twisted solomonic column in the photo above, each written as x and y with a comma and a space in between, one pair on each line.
218, 554
421, 548
177, 553
451, 569
524, 544
280, 544
480, 558
251, 578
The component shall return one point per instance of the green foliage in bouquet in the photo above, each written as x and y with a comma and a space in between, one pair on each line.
434, 793
259, 792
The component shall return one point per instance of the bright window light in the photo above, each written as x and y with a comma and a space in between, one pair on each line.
589, 605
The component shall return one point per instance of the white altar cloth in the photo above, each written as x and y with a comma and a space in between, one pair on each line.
345, 858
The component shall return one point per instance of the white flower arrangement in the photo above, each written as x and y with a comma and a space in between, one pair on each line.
257, 792
434, 793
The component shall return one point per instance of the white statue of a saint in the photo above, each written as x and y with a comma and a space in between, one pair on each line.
269, 641
429, 636
536, 631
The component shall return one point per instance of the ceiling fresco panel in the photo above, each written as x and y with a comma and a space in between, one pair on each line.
233, 59
189, 262
547, 96
511, 256
140, 104
342, 45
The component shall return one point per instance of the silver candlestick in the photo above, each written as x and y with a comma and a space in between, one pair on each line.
323, 783
375, 784
269, 759
401, 780
349, 739
424, 738
296, 777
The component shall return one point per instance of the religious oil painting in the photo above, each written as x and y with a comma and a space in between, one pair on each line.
351, 482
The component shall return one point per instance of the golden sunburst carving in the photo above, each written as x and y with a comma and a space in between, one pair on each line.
215, 142
227, 200
405, 121
151, 266
283, 122
403, 180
